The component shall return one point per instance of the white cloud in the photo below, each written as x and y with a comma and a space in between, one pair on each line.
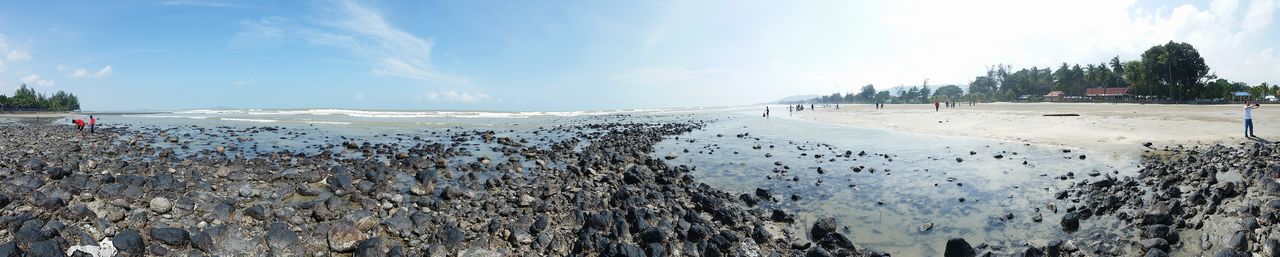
391, 51
243, 82
34, 80
3, 67
79, 73
363, 32
454, 96
19, 55
359, 96
652, 75
102, 72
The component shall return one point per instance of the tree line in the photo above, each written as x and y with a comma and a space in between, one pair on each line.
1170, 72
27, 99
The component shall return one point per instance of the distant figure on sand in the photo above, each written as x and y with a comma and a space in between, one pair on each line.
766, 111
1248, 118
935, 106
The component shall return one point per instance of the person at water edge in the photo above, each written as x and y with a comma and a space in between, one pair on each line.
92, 122
1248, 118
810, 106
935, 106
766, 111
79, 126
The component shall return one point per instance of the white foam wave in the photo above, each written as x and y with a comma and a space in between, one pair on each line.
405, 114
248, 120
169, 116
328, 122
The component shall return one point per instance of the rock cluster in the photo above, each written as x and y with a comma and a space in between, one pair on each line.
596, 191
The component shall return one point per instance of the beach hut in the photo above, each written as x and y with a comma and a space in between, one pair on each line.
1053, 96
1109, 93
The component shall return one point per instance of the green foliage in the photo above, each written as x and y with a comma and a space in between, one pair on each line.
867, 94
1174, 71
28, 99
1176, 68
948, 93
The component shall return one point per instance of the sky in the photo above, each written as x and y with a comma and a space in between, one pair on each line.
582, 55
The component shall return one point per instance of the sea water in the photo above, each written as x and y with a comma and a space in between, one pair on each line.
888, 197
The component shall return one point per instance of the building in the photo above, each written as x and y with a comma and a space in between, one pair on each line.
1054, 96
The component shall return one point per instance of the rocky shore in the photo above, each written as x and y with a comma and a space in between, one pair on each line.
597, 191
1211, 200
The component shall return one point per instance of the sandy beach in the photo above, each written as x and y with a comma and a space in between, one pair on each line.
1103, 128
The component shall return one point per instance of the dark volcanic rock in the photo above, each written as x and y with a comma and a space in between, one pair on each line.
46, 248
283, 242
171, 236
958, 247
202, 241
9, 249
1070, 222
129, 243
371, 247
822, 227
257, 212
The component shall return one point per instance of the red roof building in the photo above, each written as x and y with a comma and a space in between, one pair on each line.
1111, 91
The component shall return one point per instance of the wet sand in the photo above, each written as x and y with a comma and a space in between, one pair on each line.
1102, 128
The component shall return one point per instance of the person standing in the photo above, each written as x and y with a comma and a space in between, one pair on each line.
766, 111
935, 106
92, 123
1248, 118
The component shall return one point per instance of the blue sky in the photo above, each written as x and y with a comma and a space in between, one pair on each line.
581, 55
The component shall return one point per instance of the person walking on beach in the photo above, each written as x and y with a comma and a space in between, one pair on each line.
935, 106
766, 111
1248, 118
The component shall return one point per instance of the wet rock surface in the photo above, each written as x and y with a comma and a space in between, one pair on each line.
593, 190
1211, 200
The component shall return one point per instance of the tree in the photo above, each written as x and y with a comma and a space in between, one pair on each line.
1176, 68
883, 96
867, 93
924, 93
25, 98
949, 92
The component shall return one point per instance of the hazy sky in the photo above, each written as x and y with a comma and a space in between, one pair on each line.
574, 55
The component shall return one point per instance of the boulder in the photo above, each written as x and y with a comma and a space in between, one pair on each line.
171, 236
822, 227
958, 247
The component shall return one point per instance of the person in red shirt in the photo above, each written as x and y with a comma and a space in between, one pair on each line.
79, 126
91, 123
